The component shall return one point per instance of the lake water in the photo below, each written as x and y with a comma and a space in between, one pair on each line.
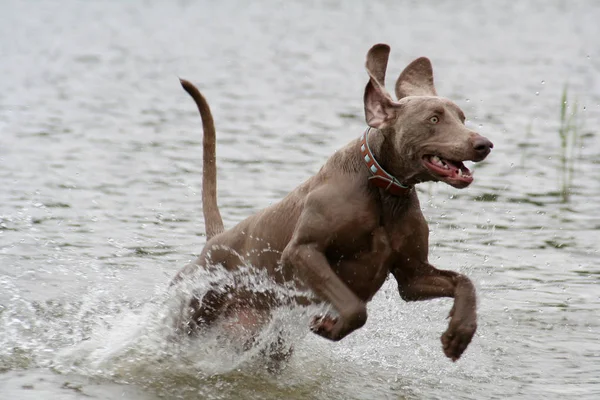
100, 173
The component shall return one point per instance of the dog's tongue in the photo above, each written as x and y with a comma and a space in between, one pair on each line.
447, 168
458, 169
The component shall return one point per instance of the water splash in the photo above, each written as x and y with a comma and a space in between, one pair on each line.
123, 340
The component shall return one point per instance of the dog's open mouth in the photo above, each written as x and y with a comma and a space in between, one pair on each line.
453, 173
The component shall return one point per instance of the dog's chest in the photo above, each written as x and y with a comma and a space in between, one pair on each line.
365, 269
407, 238
398, 242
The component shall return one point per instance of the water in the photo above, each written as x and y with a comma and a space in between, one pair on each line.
100, 205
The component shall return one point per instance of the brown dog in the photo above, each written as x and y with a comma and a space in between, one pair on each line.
358, 219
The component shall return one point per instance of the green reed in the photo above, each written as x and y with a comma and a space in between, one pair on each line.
569, 132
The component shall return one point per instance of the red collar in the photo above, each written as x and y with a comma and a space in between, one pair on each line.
380, 177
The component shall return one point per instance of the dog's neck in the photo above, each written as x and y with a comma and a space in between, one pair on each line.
371, 150
394, 204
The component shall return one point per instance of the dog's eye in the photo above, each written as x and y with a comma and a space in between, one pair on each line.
434, 119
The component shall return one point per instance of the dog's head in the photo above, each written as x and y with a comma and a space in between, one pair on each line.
425, 135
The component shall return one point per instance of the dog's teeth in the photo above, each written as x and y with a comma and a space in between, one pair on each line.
437, 161
460, 173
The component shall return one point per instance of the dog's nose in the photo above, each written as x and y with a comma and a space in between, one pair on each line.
482, 147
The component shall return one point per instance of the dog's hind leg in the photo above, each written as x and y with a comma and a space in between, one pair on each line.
246, 323
245, 320
206, 311
278, 354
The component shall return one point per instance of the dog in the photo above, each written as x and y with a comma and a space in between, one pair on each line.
342, 232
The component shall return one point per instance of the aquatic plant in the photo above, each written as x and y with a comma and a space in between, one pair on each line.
569, 132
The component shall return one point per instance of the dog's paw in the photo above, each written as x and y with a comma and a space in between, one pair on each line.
325, 326
457, 337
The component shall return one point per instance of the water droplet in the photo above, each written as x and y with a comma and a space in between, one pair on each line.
537, 93
467, 100
543, 82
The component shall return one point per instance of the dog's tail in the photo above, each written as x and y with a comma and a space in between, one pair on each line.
212, 216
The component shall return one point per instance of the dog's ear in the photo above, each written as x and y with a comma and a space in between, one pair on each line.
380, 109
416, 79
377, 60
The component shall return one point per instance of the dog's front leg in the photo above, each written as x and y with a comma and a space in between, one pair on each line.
430, 283
315, 271
325, 218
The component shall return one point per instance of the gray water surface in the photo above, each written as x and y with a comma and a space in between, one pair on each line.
100, 173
